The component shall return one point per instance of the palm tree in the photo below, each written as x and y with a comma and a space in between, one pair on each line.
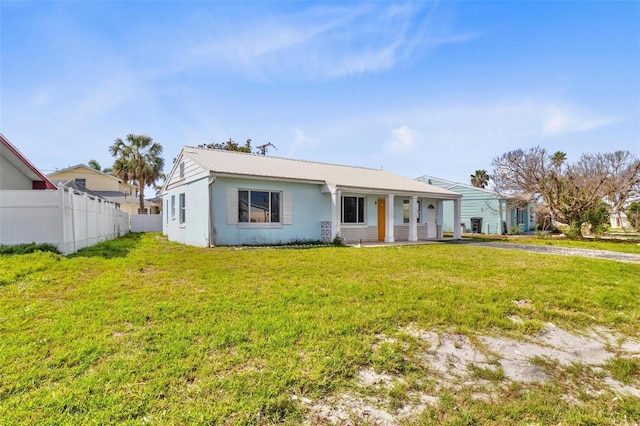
558, 158
96, 166
137, 160
480, 179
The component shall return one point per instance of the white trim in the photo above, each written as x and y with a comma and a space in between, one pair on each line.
260, 225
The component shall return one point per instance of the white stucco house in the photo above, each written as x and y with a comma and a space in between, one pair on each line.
217, 197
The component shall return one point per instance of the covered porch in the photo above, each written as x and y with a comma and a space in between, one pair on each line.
375, 216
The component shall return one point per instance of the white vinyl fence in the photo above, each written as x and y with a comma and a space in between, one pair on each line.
146, 223
67, 219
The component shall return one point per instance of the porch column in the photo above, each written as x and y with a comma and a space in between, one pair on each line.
389, 215
439, 218
413, 218
336, 195
457, 214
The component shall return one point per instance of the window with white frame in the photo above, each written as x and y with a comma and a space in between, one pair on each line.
353, 209
259, 206
183, 209
173, 207
406, 210
81, 182
167, 210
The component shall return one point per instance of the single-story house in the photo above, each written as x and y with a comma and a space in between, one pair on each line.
619, 219
217, 197
16, 172
109, 187
485, 211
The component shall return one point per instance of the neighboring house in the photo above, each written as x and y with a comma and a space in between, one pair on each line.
619, 220
107, 186
34, 210
485, 211
217, 197
16, 172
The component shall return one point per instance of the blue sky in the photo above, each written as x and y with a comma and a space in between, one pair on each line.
438, 88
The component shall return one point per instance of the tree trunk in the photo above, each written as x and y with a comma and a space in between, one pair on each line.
141, 193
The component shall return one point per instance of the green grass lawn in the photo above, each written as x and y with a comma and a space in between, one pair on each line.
140, 330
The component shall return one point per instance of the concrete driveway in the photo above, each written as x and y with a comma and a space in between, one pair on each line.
563, 251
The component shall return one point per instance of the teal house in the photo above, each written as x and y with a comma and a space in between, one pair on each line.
484, 211
217, 197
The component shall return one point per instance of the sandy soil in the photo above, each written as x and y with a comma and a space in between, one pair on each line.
563, 251
451, 358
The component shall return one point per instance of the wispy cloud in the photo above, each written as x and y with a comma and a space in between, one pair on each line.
561, 120
324, 42
454, 139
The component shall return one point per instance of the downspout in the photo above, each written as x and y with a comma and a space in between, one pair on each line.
212, 231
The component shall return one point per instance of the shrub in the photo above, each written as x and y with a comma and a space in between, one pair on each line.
27, 248
633, 213
598, 218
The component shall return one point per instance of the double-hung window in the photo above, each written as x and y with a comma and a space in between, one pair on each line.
173, 207
352, 209
183, 209
259, 206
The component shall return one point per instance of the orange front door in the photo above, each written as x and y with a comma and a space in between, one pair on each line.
381, 218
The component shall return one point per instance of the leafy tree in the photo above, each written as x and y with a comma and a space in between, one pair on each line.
137, 160
229, 145
571, 191
624, 181
633, 214
480, 179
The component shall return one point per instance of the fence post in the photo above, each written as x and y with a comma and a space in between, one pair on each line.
61, 243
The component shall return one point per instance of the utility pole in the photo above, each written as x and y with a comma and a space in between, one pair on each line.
263, 148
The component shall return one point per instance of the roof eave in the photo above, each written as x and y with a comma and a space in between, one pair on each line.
399, 192
48, 184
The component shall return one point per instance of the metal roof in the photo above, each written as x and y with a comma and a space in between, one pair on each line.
347, 178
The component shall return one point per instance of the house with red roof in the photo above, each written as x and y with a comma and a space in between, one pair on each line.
16, 172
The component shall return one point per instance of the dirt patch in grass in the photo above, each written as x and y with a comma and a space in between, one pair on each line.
483, 367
